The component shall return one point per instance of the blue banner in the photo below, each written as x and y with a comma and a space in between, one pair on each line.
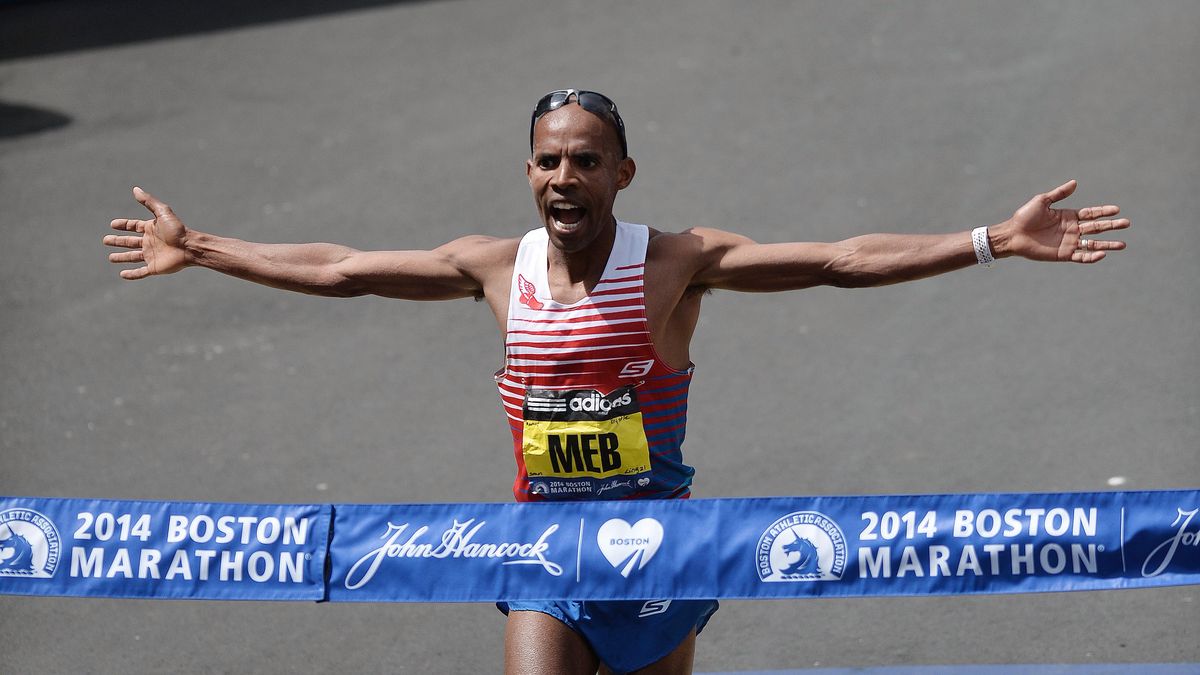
781, 547
141, 549
784, 547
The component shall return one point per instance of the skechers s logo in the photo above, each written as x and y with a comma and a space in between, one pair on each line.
637, 368
653, 607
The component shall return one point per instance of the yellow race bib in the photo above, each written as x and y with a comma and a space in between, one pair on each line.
582, 434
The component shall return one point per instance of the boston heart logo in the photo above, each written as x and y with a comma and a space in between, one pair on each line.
629, 545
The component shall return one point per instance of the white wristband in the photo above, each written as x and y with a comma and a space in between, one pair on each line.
983, 249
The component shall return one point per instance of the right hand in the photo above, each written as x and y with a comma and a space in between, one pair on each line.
1041, 232
161, 246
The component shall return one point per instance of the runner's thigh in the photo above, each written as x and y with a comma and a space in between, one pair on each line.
678, 662
537, 643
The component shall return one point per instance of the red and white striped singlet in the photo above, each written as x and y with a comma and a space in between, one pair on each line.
595, 414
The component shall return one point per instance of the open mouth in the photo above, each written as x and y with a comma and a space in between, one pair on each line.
566, 216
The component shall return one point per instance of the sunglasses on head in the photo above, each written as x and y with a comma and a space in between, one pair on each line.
594, 102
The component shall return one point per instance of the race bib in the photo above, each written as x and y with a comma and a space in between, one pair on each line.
580, 441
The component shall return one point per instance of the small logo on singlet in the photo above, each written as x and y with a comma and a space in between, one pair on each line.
528, 291
637, 368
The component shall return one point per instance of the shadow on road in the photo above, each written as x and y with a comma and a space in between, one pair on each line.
30, 28
19, 120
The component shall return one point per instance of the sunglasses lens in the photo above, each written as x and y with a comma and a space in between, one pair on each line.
594, 104
552, 101
602, 106
596, 100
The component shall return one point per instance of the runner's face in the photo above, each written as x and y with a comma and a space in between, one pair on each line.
575, 173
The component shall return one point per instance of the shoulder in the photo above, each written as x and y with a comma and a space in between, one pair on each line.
696, 244
479, 247
686, 257
487, 260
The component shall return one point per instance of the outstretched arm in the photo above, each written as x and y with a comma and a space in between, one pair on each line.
1037, 231
166, 245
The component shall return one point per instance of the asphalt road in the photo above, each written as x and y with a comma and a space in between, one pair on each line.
403, 125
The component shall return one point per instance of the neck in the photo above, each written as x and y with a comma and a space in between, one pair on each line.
584, 266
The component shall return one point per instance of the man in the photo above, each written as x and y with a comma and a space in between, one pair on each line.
598, 317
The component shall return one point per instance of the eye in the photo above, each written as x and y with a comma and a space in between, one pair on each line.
547, 162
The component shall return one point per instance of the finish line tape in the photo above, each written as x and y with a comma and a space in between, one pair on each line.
779, 547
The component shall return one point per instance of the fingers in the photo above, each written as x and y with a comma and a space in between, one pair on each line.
1092, 250
1091, 227
1085, 257
1099, 211
1061, 192
123, 242
127, 257
136, 273
135, 256
1101, 245
129, 225
148, 200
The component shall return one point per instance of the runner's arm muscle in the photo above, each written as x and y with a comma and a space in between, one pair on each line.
166, 245
1035, 231
339, 271
739, 264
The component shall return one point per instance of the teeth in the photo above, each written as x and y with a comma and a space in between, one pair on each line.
565, 227
563, 205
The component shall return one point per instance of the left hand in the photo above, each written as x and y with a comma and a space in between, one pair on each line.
1039, 232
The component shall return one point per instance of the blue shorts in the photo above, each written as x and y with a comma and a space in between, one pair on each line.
626, 635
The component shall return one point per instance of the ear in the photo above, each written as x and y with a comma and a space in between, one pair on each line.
625, 171
529, 170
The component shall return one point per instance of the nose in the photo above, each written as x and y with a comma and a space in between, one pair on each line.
564, 176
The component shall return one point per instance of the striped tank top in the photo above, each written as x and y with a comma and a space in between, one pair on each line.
594, 412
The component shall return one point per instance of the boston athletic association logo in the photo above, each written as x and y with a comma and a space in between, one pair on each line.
29, 544
801, 546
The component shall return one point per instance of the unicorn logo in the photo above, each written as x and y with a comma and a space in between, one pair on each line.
16, 555
29, 544
801, 546
808, 560
528, 291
